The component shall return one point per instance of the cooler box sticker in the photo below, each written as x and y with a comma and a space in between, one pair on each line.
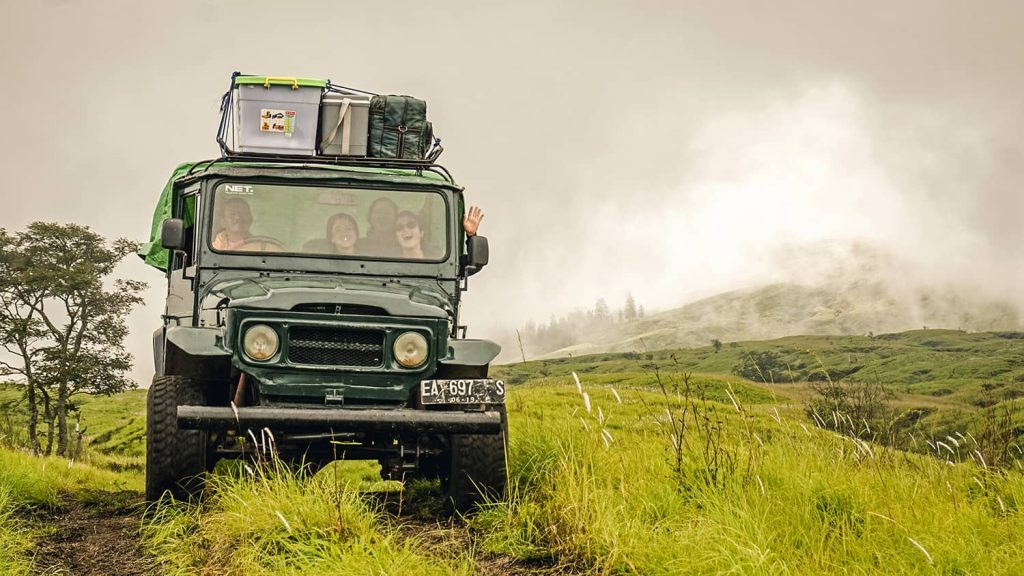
280, 121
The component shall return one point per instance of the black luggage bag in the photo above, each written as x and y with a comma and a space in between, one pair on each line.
399, 128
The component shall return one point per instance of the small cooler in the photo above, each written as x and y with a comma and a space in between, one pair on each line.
344, 135
277, 115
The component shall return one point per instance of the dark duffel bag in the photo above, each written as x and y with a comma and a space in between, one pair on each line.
399, 128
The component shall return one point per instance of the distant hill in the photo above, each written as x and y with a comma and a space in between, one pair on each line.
787, 309
838, 289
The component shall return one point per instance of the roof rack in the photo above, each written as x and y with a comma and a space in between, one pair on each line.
397, 163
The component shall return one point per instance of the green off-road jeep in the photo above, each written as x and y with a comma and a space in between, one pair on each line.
314, 307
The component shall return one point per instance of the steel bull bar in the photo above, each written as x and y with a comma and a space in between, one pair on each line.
338, 420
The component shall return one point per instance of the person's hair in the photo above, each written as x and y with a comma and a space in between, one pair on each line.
373, 206
411, 215
223, 205
341, 216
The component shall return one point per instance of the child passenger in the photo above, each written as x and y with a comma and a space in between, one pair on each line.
340, 238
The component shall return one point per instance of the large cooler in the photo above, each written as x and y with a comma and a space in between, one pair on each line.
277, 115
344, 135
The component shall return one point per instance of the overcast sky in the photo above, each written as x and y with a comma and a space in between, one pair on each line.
671, 149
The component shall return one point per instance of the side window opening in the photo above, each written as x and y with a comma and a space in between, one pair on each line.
188, 208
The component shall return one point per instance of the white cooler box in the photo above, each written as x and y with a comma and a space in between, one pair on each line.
277, 115
344, 135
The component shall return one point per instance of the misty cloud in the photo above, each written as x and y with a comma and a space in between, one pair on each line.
810, 165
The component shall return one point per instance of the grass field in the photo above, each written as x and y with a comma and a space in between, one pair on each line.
722, 488
639, 470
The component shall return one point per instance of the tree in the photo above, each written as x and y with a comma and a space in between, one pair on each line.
629, 311
602, 314
767, 366
64, 331
716, 344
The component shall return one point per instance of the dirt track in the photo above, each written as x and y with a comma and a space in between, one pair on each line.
98, 538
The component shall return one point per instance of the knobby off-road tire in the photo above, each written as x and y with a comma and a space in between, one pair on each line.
477, 471
175, 459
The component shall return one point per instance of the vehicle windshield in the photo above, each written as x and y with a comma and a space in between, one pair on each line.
329, 222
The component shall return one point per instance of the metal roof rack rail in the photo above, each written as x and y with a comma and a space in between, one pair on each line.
398, 163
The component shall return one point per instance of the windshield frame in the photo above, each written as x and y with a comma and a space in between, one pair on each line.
214, 187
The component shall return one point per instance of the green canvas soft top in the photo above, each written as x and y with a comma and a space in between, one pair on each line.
156, 255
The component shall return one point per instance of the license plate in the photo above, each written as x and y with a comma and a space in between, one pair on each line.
463, 391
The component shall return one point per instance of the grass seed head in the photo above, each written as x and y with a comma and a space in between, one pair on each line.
284, 521
922, 549
606, 434
973, 439
616, 394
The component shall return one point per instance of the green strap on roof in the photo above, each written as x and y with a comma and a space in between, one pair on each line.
282, 81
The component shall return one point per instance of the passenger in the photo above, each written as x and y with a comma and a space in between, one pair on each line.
342, 235
385, 219
380, 238
471, 221
409, 235
231, 226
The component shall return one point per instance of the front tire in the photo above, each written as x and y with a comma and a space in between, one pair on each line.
478, 467
175, 459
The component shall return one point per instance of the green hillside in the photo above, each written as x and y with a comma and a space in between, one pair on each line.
934, 362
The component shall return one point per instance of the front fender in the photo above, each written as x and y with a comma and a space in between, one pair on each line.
200, 341
198, 352
471, 352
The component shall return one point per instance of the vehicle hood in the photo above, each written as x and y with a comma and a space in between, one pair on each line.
399, 297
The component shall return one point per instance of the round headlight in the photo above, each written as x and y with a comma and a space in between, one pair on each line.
411, 349
260, 342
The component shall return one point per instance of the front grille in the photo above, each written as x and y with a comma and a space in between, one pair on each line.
335, 347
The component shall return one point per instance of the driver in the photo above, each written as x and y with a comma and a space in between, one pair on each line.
232, 229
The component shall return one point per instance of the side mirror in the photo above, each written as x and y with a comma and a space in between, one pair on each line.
477, 254
172, 235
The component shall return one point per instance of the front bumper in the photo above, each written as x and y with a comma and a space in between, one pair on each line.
338, 420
